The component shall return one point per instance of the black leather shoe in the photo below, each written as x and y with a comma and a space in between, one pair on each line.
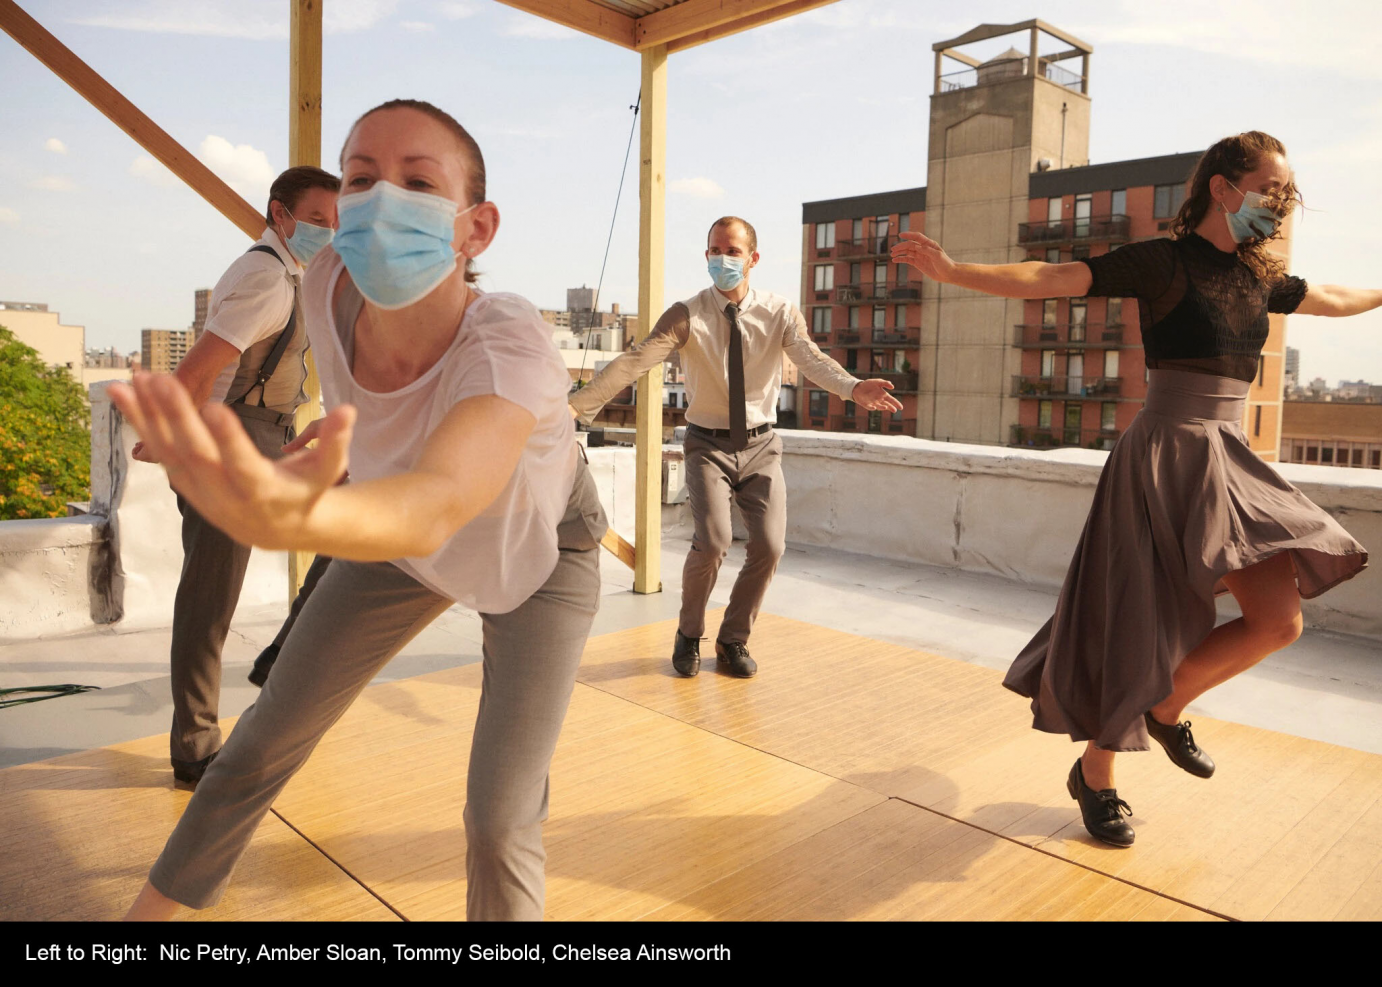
186, 774
1180, 746
686, 655
264, 664
1102, 811
733, 658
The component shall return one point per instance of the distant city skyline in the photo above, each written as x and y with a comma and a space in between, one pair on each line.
757, 124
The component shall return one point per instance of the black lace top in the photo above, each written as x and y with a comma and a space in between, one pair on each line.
1202, 309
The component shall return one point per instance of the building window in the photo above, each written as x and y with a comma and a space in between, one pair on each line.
904, 223
1110, 363
825, 277
1166, 200
900, 316
880, 316
854, 317
1357, 456
856, 230
1377, 459
849, 409
880, 273
1078, 317
882, 361
825, 236
1119, 206
820, 404
820, 318
1053, 255
851, 359
1257, 420
1312, 454
1108, 414
1053, 210
1048, 312
1084, 209
1079, 253
1048, 363
1043, 414
856, 273
901, 273
1327, 455
1114, 314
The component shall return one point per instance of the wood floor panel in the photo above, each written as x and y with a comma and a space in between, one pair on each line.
1277, 830
81, 831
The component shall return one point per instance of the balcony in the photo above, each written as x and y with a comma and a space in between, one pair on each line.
1084, 229
878, 291
1065, 335
903, 383
1067, 387
881, 426
878, 338
865, 247
1053, 437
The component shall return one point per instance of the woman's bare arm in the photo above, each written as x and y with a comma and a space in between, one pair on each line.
1030, 279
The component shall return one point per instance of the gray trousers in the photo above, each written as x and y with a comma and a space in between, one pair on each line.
752, 478
213, 571
359, 617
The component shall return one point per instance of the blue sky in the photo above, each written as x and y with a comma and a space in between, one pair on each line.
829, 103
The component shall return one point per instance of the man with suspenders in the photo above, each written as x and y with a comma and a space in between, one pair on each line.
251, 357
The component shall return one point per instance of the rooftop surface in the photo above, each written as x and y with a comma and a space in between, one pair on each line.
874, 769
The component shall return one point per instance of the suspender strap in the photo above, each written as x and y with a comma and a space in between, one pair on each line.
270, 364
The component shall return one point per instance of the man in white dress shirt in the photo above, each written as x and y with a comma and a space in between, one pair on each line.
251, 357
731, 339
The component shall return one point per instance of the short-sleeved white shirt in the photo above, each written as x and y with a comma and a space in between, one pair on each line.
503, 348
252, 301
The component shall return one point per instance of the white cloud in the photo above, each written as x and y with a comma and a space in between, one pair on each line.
699, 187
255, 20
153, 172
53, 183
8, 216
55, 145
244, 168
537, 28
456, 10
417, 27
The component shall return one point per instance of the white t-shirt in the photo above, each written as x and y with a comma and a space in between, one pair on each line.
252, 301
503, 348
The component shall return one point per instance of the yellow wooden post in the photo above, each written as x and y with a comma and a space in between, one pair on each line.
652, 200
305, 148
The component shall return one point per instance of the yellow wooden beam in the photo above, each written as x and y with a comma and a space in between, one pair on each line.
125, 115
619, 548
652, 202
583, 16
751, 14
305, 148
671, 24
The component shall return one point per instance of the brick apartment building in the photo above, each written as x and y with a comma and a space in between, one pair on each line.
1009, 181
161, 350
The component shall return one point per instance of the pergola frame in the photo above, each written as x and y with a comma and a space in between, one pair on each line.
678, 25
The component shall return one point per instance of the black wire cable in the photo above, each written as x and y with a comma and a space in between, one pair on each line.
617, 196
53, 692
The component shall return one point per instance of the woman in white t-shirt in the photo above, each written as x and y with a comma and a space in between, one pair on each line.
449, 406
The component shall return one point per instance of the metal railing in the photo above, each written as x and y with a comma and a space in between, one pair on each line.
1068, 335
878, 291
869, 246
1053, 437
886, 425
1065, 386
1114, 228
963, 79
902, 381
1063, 77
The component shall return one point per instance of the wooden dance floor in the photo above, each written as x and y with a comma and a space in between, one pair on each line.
852, 779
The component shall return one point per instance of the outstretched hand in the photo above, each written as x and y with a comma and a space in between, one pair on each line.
212, 462
872, 395
925, 255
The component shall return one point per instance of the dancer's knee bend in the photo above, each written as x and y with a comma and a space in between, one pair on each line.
1277, 631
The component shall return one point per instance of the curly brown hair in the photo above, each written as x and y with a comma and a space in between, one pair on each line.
1233, 157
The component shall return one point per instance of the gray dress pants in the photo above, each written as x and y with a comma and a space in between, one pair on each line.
360, 616
752, 478
213, 571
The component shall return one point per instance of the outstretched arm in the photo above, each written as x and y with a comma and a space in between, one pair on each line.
871, 395
1337, 300
1031, 279
669, 334
293, 503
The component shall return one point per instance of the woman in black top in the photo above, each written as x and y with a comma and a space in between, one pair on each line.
1184, 509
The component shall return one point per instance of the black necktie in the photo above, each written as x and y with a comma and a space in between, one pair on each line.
738, 412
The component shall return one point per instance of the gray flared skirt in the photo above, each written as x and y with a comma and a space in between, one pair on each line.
1181, 502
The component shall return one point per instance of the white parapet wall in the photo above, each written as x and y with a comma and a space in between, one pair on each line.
50, 570
1014, 512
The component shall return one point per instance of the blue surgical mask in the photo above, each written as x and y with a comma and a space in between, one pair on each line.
1255, 218
726, 272
396, 244
307, 240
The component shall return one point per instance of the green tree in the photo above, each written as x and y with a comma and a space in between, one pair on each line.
45, 435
